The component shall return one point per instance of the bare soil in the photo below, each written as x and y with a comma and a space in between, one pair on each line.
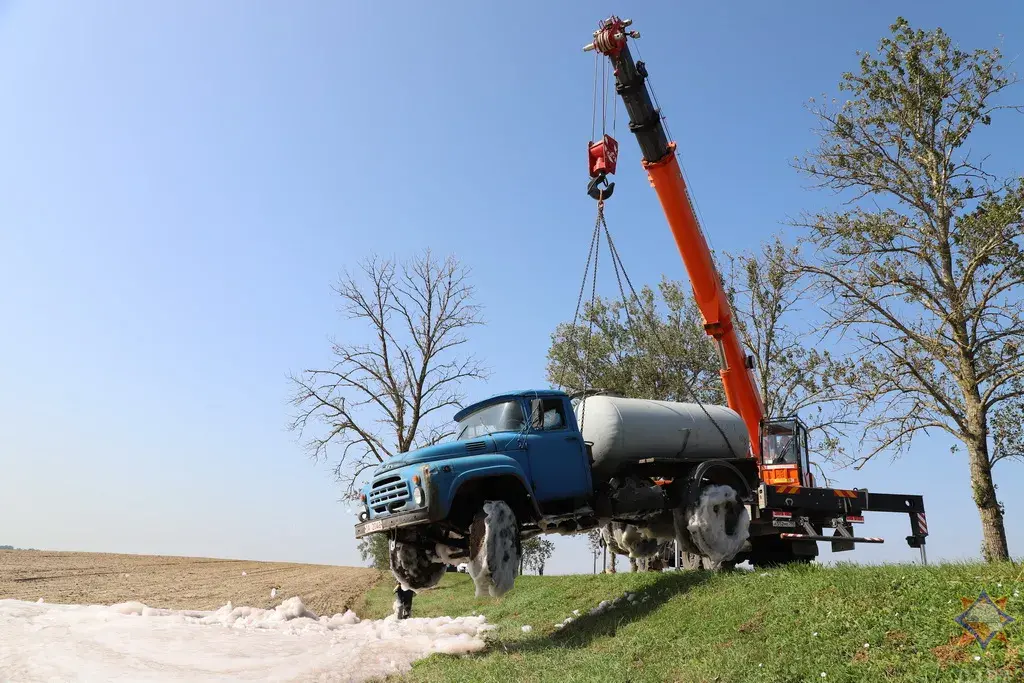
178, 582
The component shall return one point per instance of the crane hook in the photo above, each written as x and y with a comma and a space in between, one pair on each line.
598, 193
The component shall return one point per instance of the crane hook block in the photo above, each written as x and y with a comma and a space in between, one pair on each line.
603, 156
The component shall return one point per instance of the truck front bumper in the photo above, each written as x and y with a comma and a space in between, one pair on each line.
391, 522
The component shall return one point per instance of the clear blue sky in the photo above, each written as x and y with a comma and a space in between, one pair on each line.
183, 181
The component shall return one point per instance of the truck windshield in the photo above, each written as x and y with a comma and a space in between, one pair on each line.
507, 416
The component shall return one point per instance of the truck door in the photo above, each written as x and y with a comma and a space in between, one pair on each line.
558, 460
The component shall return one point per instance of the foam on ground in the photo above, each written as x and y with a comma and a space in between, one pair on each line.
131, 641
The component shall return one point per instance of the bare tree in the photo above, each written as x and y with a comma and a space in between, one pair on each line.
925, 279
384, 396
769, 293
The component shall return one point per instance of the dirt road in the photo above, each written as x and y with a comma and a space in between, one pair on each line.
177, 582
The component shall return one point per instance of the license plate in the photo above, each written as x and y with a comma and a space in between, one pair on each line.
375, 525
783, 522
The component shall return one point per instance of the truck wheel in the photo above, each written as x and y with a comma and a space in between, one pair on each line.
494, 549
414, 568
718, 524
693, 561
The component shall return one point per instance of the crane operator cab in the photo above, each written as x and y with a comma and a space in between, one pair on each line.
784, 452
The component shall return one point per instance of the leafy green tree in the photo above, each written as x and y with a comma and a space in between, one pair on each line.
375, 549
922, 271
636, 349
536, 552
616, 346
769, 295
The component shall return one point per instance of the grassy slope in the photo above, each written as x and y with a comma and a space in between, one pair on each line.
784, 625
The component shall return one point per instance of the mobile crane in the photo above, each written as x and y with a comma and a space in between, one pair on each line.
725, 482
779, 445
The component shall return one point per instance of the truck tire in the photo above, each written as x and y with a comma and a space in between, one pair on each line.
494, 549
693, 562
718, 524
414, 567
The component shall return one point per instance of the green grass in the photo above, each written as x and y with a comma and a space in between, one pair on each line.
785, 625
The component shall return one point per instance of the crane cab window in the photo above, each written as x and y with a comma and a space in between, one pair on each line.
784, 442
547, 414
780, 449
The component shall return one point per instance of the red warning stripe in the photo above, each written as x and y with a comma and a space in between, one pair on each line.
922, 524
787, 489
845, 493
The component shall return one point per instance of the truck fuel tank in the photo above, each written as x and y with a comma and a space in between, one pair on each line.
625, 431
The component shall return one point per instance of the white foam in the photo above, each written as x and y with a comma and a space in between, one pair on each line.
707, 524
131, 641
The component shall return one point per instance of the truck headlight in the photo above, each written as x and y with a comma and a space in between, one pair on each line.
417, 495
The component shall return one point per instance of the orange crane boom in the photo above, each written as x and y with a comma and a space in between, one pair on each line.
662, 166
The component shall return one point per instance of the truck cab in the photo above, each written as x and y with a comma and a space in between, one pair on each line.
523, 446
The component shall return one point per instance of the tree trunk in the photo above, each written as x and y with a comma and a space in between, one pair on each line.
540, 570
994, 545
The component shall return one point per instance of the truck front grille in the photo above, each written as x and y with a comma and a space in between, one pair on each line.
388, 493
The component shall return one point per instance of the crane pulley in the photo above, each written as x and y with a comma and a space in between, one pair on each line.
603, 153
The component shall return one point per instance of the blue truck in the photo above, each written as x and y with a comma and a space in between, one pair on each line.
519, 465
645, 472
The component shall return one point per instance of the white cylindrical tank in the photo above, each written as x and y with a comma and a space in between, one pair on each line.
628, 430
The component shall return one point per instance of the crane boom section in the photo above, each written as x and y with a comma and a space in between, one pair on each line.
665, 174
